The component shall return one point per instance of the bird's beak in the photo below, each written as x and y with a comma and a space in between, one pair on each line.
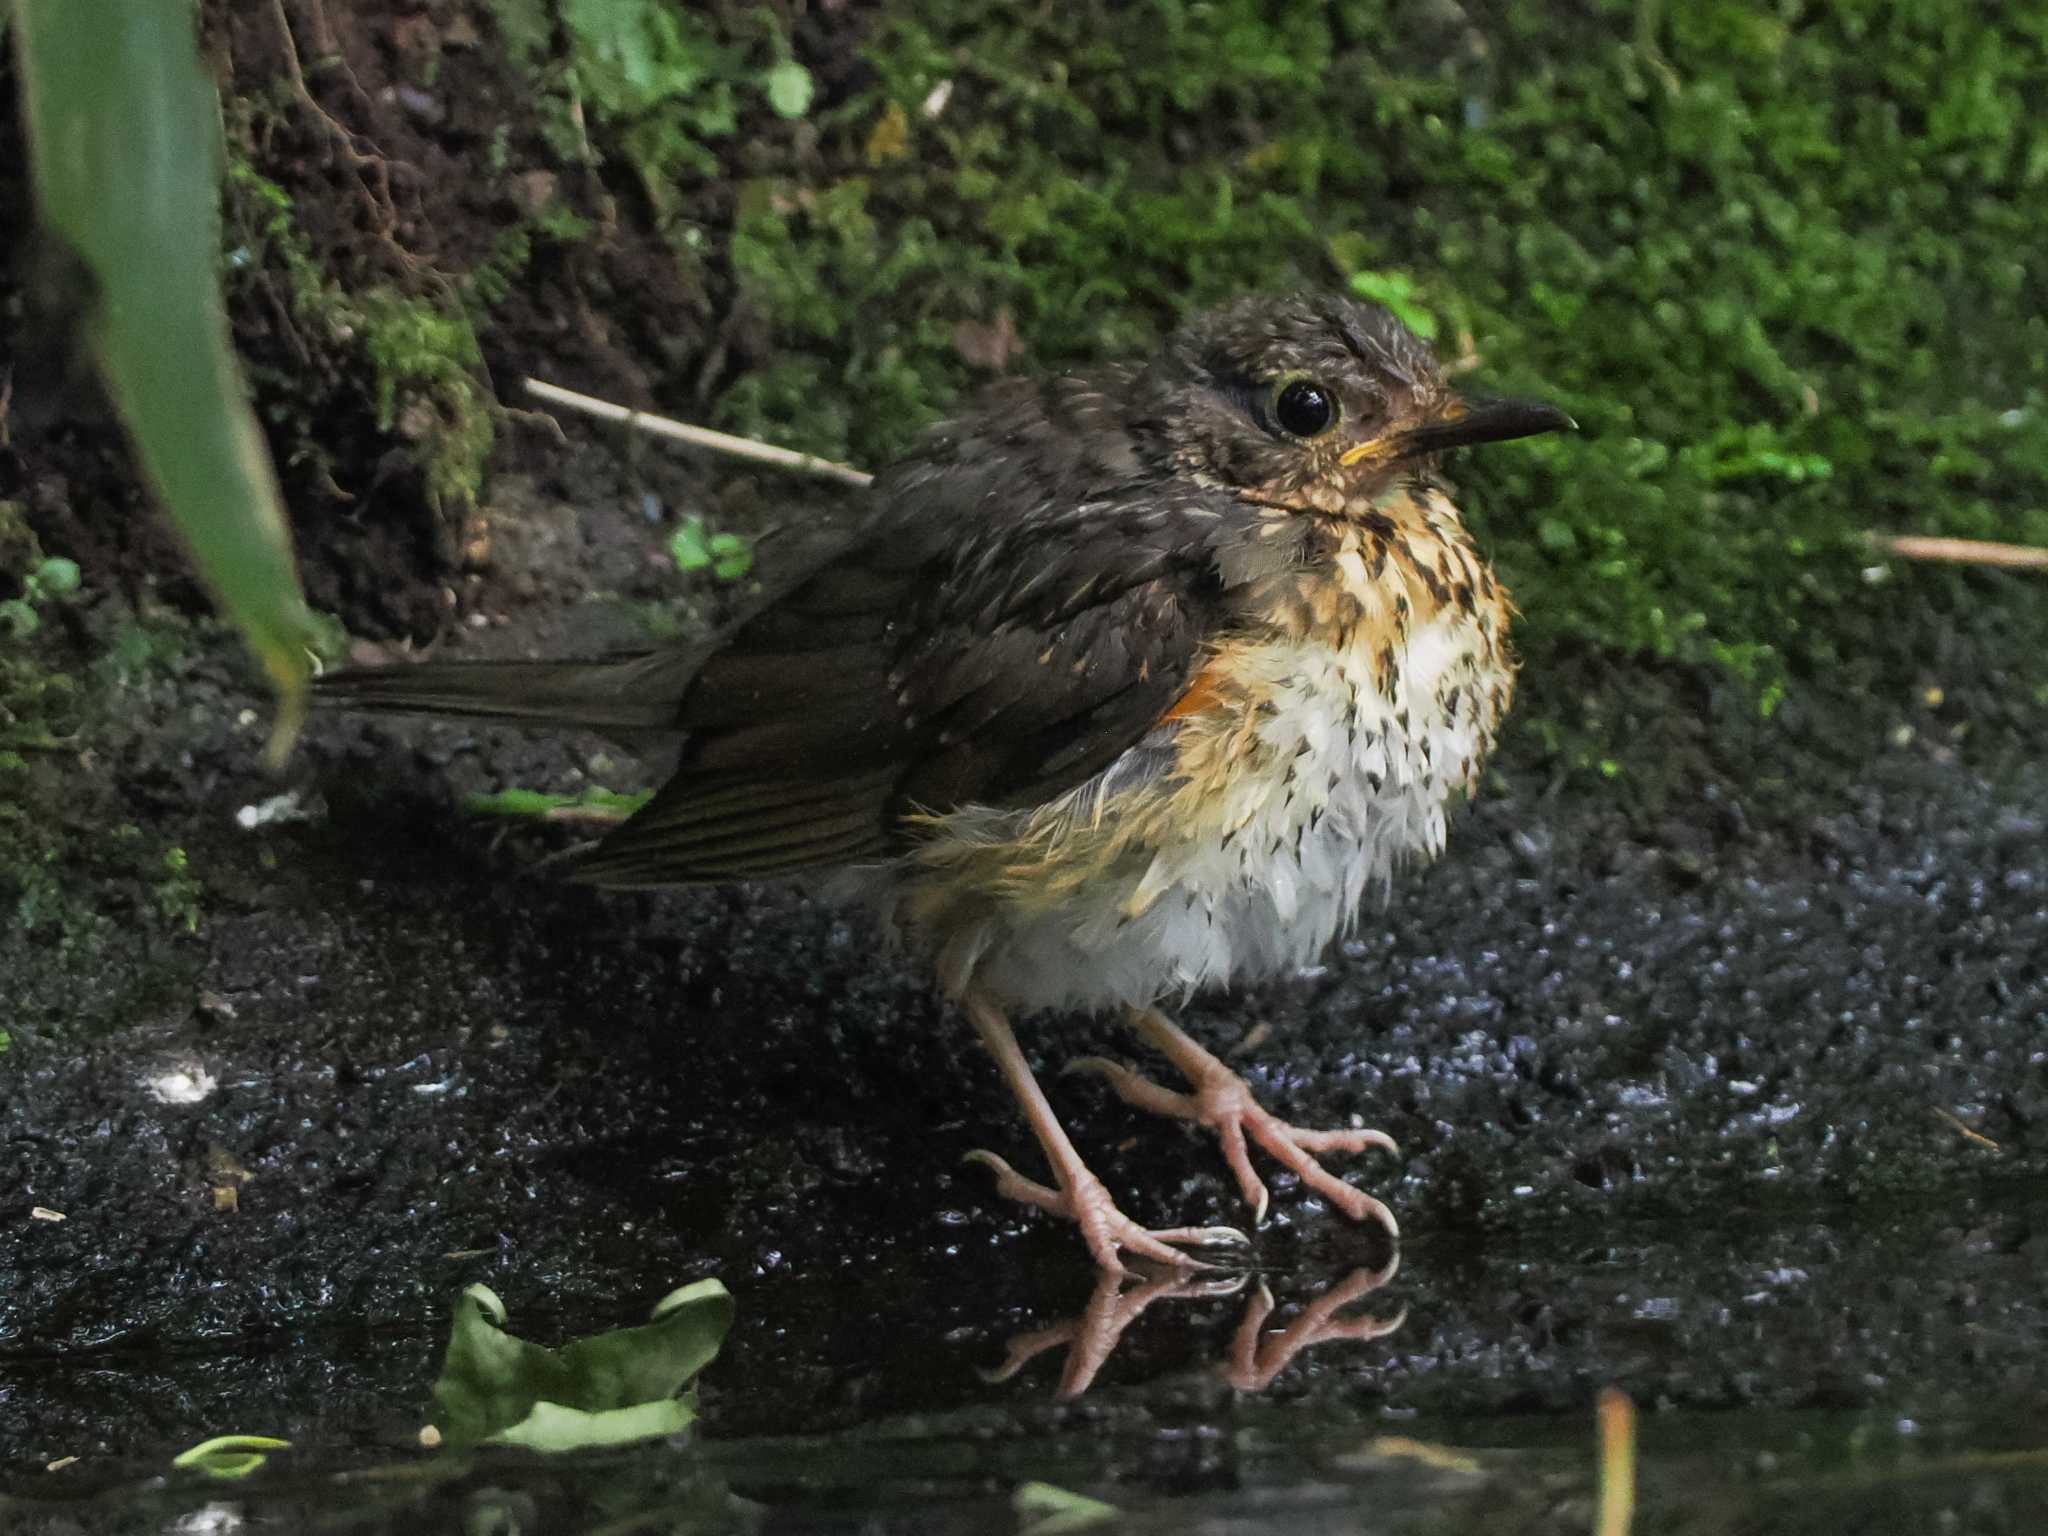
1462, 422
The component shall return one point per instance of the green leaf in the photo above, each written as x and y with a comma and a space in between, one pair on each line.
551, 1427
694, 547
228, 1456
605, 1389
538, 805
516, 804
789, 88
124, 142
19, 617
731, 558
1397, 291
1044, 1510
55, 577
687, 547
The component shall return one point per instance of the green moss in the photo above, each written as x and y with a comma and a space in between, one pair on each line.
38, 705
1784, 269
662, 85
143, 648
54, 854
421, 353
177, 892
424, 360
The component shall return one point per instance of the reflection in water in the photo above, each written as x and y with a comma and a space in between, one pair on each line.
1255, 1358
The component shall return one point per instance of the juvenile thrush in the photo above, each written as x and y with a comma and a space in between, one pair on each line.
1135, 681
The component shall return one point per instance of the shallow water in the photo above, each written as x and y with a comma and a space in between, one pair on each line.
1446, 1424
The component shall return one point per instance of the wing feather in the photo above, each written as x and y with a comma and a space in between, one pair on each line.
1018, 614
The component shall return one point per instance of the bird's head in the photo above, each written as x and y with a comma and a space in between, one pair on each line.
1318, 404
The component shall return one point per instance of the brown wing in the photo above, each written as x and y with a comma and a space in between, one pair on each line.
1024, 609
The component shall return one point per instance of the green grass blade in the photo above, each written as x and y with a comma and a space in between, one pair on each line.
124, 136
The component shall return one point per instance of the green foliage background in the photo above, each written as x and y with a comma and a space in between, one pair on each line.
1784, 262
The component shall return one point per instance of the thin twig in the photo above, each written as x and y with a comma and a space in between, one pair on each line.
1913, 546
1969, 1135
1617, 1508
699, 437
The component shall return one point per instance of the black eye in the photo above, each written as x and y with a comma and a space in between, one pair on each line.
1303, 408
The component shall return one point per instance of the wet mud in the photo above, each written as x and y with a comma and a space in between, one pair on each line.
1729, 1090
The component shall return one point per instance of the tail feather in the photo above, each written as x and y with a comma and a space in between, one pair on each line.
638, 692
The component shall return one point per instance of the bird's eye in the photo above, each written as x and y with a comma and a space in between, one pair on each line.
1304, 408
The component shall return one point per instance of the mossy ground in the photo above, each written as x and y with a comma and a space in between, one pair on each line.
1783, 265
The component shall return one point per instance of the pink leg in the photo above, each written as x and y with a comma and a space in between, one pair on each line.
1080, 1197
1222, 1101
1092, 1338
1252, 1368
1255, 1357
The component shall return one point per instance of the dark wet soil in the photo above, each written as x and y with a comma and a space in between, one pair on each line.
1730, 1090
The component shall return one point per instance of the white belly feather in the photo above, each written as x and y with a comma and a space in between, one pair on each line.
1259, 845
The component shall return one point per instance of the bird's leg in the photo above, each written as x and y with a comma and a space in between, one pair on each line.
1080, 1197
1222, 1101
1092, 1338
1255, 1357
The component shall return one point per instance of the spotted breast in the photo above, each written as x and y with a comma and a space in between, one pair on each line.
1316, 752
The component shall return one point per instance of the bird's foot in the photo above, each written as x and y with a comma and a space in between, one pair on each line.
1091, 1338
1255, 1360
1223, 1101
1083, 1200
1255, 1357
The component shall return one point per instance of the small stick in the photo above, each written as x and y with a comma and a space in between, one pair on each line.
1968, 1135
1617, 1507
1913, 546
699, 437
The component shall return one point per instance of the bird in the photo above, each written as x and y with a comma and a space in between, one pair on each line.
1132, 681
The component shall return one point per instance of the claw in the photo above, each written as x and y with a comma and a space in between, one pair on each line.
1254, 1361
1080, 1195
1101, 1066
1105, 1227
1091, 1338
1012, 1185
1223, 1101
1207, 1237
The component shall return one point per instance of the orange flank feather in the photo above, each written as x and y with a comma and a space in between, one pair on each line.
1203, 694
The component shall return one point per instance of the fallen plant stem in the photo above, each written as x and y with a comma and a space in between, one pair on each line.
699, 437
1968, 1135
1913, 546
1617, 1464
587, 815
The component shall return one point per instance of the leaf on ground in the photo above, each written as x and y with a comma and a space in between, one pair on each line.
604, 1389
229, 1456
1045, 1510
789, 88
